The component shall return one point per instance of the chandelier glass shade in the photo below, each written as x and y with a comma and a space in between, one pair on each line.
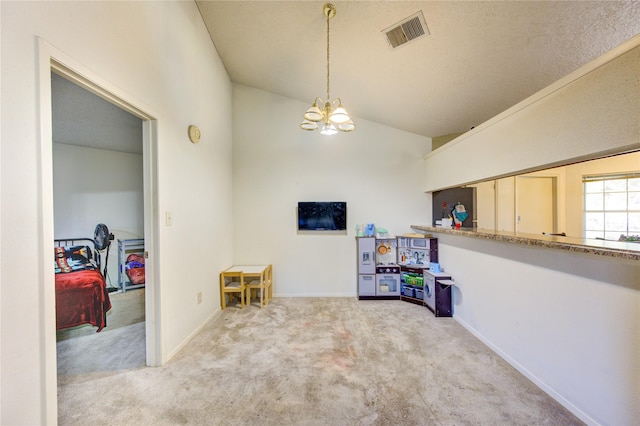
328, 116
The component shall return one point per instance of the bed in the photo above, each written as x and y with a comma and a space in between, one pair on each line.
81, 290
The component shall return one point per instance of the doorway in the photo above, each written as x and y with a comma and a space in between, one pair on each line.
536, 205
97, 179
52, 59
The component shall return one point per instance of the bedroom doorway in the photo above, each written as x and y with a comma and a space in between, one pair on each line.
98, 179
94, 191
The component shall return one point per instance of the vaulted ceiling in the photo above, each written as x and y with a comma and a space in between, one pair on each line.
480, 58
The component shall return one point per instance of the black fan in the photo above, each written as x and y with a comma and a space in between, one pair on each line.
102, 240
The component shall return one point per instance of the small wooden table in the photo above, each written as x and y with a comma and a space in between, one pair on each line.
249, 271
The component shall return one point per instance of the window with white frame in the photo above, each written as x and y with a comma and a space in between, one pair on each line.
612, 206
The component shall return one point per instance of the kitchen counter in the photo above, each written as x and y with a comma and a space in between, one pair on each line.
614, 249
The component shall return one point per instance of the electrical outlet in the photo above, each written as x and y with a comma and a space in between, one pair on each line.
199, 297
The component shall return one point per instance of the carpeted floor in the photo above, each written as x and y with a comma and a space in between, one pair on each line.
317, 362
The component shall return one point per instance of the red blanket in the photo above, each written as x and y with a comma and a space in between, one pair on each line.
81, 298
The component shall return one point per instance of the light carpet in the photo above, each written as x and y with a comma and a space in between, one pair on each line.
319, 361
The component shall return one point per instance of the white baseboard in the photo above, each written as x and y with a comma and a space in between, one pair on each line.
192, 334
529, 375
314, 295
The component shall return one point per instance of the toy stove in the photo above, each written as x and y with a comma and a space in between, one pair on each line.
387, 280
387, 269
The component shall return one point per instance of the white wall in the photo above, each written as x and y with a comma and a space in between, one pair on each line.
377, 170
94, 186
570, 322
159, 56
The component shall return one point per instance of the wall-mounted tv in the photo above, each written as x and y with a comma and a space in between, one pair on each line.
322, 216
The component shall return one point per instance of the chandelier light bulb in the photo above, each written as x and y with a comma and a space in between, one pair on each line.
329, 129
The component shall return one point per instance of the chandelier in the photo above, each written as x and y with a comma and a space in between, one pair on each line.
332, 114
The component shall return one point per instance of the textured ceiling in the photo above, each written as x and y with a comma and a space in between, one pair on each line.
84, 119
480, 58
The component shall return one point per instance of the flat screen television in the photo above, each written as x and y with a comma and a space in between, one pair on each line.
322, 216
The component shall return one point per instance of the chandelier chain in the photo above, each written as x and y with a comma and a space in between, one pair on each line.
328, 17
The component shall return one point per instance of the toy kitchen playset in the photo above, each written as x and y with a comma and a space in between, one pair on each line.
404, 267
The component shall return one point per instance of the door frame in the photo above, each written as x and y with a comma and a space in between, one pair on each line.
52, 59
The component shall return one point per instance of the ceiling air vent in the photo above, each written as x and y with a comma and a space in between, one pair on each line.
409, 29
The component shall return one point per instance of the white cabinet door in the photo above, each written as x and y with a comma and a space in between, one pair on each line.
366, 285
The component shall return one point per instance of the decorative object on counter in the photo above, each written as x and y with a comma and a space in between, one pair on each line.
382, 232
333, 115
360, 230
444, 223
459, 214
370, 230
444, 206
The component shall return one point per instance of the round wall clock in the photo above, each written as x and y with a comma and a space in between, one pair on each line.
194, 134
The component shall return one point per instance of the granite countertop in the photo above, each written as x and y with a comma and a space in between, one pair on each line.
613, 249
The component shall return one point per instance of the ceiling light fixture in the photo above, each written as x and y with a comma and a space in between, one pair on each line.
333, 115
